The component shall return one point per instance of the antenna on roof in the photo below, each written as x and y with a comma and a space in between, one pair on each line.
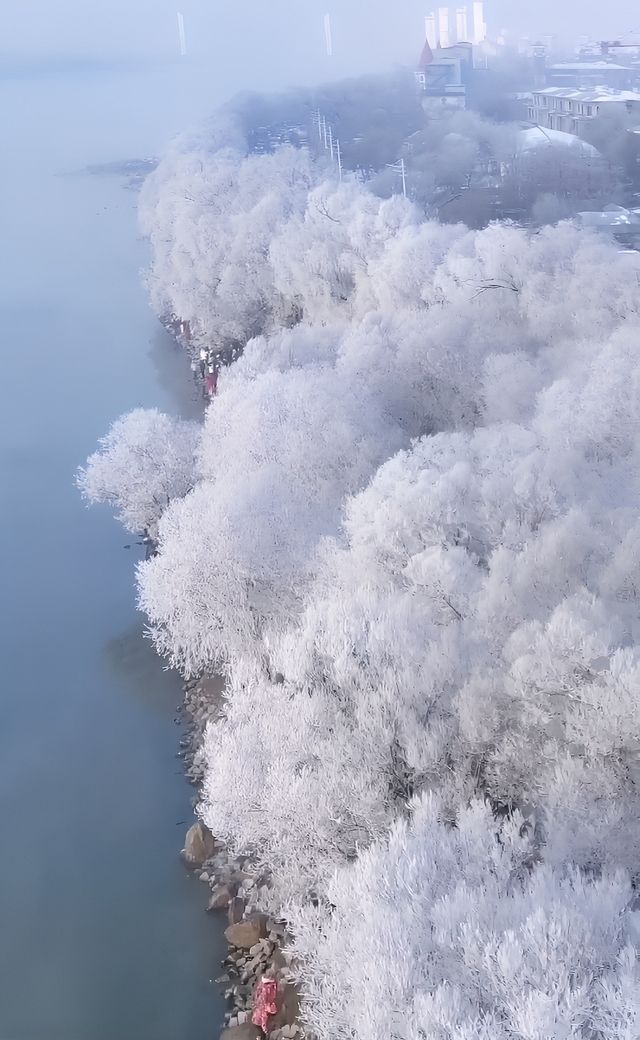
328, 35
181, 34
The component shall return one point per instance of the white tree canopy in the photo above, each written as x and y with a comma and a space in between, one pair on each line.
445, 931
146, 460
211, 217
408, 529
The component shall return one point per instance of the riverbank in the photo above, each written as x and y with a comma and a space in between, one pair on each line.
257, 944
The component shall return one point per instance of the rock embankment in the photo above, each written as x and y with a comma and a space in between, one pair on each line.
257, 943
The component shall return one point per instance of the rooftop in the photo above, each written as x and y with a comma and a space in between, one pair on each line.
598, 94
534, 137
610, 217
587, 66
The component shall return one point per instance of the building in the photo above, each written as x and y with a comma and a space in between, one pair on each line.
535, 138
539, 62
586, 75
562, 108
615, 221
447, 67
563, 167
450, 25
444, 76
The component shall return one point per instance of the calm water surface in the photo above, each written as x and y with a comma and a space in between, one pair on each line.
102, 934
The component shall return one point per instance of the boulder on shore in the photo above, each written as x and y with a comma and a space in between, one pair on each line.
246, 934
236, 910
199, 845
220, 898
247, 1031
278, 960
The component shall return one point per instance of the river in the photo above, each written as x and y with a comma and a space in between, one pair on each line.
102, 932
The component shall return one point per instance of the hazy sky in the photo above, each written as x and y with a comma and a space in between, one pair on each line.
285, 35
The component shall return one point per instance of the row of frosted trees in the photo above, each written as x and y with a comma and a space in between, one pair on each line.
408, 531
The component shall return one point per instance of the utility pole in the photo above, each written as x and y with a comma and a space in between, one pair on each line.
400, 168
339, 158
331, 142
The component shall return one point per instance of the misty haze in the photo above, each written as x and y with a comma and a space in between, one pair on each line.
327, 727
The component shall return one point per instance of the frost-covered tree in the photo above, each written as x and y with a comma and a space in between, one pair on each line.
146, 460
321, 257
411, 539
500, 526
417, 641
298, 788
450, 928
278, 455
210, 216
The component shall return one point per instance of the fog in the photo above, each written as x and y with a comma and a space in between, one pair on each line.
250, 44
266, 45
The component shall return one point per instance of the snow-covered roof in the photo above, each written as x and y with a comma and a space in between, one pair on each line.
539, 137
611, 217
588, 66
598, 95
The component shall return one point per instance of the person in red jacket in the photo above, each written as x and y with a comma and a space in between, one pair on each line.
211, 380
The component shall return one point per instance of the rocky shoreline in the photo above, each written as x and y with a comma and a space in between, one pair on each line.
257, 962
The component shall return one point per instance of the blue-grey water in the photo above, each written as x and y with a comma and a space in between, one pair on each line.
103, 935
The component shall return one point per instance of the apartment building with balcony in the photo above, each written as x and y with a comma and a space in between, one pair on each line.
569, 110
